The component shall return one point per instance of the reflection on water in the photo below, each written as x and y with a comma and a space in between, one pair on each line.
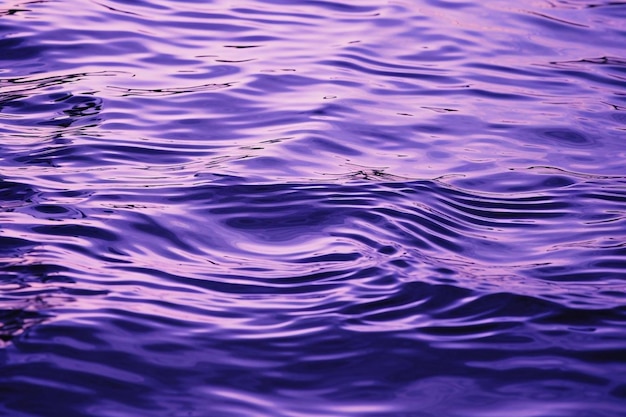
312, 208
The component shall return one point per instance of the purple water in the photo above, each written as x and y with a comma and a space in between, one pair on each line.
313, 208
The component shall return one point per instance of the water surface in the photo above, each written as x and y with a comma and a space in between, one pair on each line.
313, 208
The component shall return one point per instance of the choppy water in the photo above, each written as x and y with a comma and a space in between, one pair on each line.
313, 208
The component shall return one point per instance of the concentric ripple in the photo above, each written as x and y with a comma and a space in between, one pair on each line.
312, 208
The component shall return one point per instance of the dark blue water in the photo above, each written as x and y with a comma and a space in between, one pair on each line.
313, 208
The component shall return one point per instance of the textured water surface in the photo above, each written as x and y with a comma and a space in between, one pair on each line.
313, 208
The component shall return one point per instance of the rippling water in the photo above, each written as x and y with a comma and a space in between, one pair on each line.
313, 208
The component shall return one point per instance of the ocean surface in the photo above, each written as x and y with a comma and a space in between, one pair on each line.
313, 208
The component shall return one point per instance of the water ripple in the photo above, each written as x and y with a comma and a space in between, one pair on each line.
312, 208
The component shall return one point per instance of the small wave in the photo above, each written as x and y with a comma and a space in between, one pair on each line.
312, 208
